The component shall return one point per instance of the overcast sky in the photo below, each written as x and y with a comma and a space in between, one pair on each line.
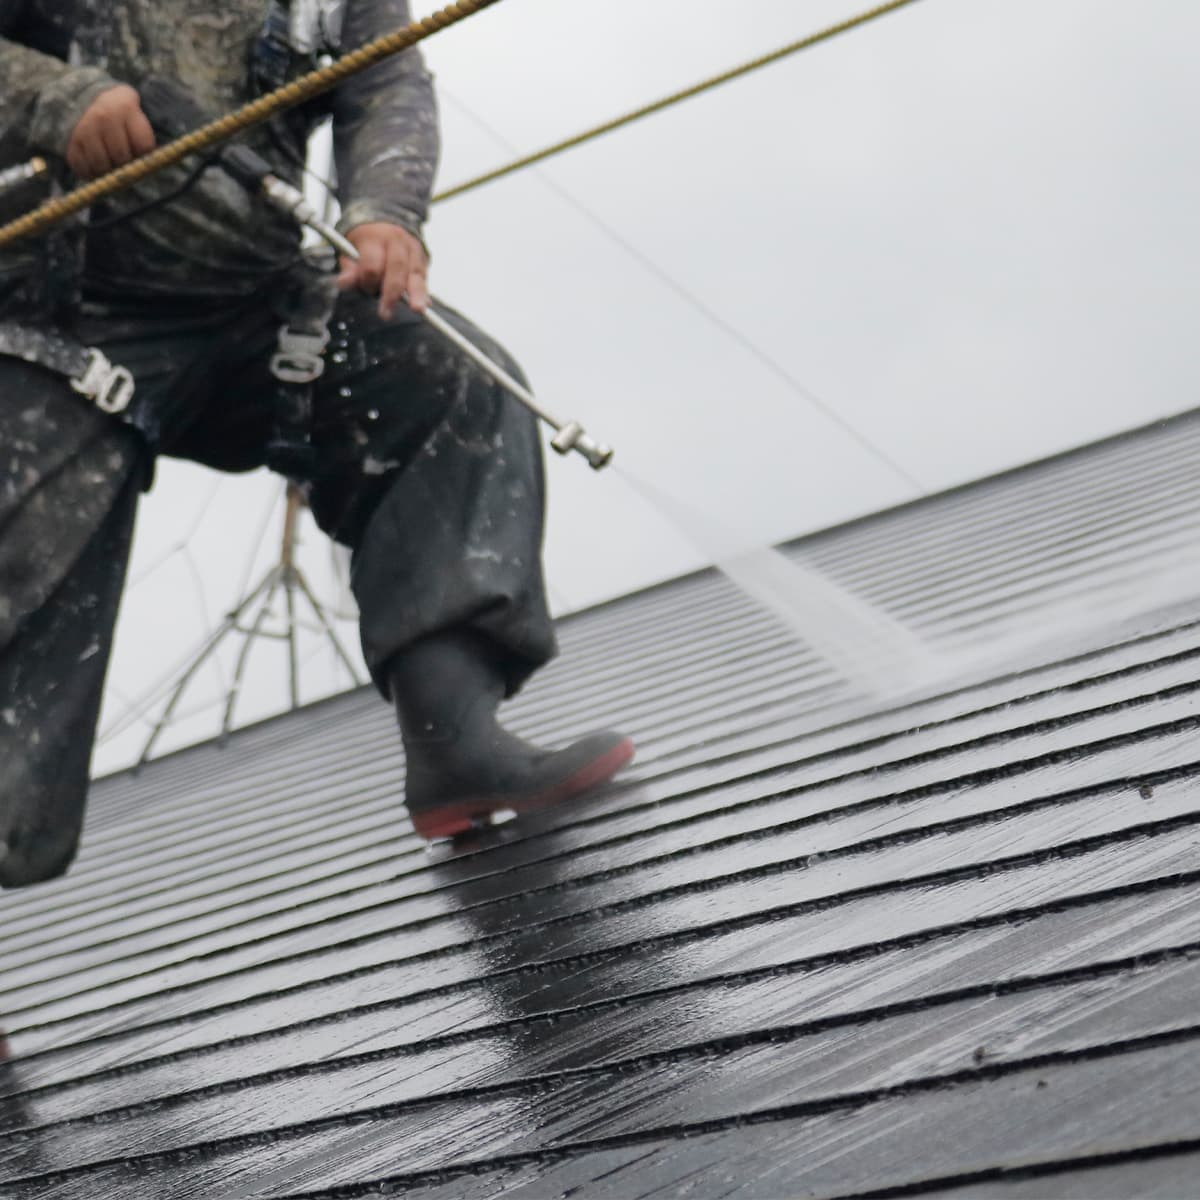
968, 230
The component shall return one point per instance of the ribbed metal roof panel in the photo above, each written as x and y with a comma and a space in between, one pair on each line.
814, 944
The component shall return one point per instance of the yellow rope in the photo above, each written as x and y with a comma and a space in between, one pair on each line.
312, 84
675, 98
262, 109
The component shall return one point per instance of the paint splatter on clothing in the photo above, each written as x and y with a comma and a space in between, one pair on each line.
426, 469
423, 466
57, 56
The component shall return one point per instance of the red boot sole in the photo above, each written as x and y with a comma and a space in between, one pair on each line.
453, 819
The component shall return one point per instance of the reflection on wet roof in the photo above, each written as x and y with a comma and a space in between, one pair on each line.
814, 944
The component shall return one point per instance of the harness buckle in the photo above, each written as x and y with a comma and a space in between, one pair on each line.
299, 357
109, 387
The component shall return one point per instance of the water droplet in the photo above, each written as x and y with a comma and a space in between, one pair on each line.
373, 414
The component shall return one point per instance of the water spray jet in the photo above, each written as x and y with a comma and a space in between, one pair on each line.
869, 649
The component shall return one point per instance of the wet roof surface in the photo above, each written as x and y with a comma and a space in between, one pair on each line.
812, 945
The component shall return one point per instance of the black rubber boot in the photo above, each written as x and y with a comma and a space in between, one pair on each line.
462, 765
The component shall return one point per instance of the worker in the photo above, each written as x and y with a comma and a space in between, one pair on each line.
181, 318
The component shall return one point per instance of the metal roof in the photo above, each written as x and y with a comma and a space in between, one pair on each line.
813, 944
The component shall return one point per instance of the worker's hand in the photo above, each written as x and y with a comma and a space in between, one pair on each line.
112, 131
392, 264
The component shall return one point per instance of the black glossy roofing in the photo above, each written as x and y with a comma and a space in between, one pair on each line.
813, 945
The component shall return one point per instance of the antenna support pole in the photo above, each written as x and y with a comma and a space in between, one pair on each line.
256, 607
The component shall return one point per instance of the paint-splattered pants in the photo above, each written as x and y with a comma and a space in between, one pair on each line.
427, 470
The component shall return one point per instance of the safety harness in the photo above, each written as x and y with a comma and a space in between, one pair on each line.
296, 36
296, 365
108, 386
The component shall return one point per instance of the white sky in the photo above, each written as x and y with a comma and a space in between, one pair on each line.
969, 229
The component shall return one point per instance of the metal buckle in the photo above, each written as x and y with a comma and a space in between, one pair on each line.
109, 387
298, 359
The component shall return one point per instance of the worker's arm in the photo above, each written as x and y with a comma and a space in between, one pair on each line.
385, 137
41, 97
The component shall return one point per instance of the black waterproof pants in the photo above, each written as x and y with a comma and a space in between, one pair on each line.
427, 470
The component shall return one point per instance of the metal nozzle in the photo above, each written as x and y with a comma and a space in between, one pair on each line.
572, 436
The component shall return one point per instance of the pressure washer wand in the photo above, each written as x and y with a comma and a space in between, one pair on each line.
174, 111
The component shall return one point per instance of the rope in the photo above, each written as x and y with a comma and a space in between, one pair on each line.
658, 106
255, 113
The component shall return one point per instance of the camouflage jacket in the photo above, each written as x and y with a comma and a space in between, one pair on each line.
213, 240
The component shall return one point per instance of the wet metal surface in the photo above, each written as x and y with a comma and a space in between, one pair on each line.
812, 946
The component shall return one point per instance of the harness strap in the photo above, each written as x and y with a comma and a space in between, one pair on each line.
108, 386
298, 362
272, 57
296, 36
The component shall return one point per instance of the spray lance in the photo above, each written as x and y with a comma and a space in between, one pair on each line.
568, 435
174, 113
